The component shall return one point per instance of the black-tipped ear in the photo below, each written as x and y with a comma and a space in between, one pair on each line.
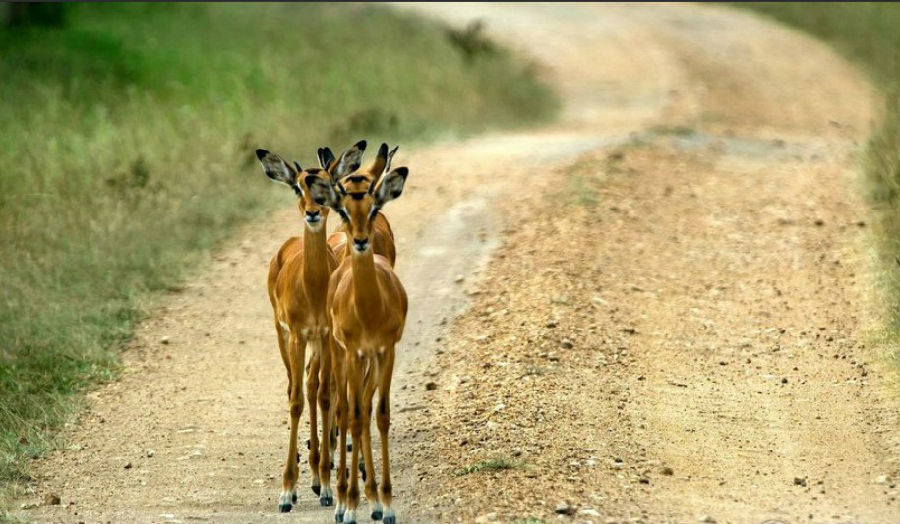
276, 168
350, 161
297, 165
390, 186
381, 159
326, 157
401, 172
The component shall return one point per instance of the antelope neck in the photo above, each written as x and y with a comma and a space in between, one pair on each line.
315, 254
366, 288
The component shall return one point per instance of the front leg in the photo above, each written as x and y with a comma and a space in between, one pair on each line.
366, 445
326, 498
342, 420
383, 417
297, 354
354, 391
312, 391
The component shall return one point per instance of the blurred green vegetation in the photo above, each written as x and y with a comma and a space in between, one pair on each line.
127, 136
867, 33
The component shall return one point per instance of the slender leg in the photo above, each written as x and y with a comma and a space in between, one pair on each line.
326, 498
354, 407
370, 486
342, 423
283, 343
332, 390
383, 417
296, 355
312, 391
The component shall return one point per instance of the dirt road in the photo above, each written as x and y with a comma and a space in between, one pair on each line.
661, 316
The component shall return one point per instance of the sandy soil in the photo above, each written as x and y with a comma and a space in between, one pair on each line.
661, 314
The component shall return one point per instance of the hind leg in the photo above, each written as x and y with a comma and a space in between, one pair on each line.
284, 335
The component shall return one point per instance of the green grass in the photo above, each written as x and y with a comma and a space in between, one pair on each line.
127, 153
866, 33
494, 464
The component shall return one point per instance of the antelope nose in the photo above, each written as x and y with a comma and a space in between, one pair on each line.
361, 244
312, 215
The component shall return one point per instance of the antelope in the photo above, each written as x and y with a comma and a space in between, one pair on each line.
367, 311
383, 236
383, 241
298, 285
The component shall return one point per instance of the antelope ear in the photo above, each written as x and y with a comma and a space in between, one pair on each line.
382, 163
326, 157
278, 170
320, 191
390, 186
349, 161
377, 166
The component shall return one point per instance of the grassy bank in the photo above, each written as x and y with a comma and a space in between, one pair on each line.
127, 152
866, 33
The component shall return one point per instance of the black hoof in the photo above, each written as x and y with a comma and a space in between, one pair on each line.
316, 489
284, 508
339, 517
293, 498
351, 522
390, 520
307, 447
349, 447
326, 501
376, 515
332, 465
362, 472
298, 457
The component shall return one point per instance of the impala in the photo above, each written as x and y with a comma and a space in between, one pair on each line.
383, 238
367, 310
298, 285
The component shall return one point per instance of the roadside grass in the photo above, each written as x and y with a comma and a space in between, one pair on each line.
866, 33
494, 464
127, 154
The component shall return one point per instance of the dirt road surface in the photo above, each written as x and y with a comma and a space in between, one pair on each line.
652, 310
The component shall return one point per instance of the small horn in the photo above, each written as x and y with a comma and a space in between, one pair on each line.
387, 165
